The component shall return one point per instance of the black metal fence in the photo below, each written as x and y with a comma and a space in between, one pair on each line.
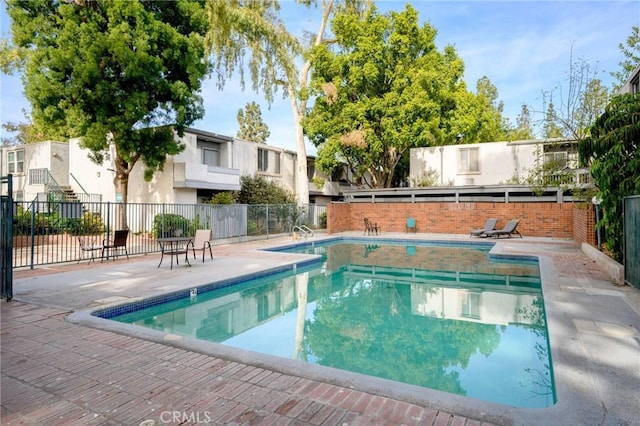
47, 232
6, 220
632, 240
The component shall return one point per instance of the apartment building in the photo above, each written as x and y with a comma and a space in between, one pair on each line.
492, 163
210, 163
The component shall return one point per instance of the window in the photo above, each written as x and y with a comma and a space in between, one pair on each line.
211, 157
15, 160
210, 152
339, 174
311, 171
268, 161
276, 162
468, 160
556, 159
263, 160
470, 305
263, 308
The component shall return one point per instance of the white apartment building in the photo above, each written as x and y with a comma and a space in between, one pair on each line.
491, 163
210, 163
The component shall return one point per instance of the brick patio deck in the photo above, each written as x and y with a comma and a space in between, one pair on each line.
57, 373
54, 372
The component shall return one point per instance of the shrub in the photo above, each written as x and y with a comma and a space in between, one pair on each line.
223, 198
174, 226
323, 220
258, 190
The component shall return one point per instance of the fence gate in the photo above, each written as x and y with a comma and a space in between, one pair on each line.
6, 238
632, 240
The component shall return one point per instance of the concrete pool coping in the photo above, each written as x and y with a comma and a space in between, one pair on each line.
593, 327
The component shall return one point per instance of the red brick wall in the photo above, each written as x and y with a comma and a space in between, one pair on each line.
584, 224
558, 220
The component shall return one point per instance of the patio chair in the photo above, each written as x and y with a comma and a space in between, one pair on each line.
489, 225
202, 241
508, 230
411, 224
86, 247
118, 243
370, 227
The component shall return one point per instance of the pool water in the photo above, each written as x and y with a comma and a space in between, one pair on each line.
445, 317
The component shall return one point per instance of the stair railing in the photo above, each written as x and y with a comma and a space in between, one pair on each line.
79, 184
302, 230
85, 197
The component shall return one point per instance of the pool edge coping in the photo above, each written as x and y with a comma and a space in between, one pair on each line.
562, 411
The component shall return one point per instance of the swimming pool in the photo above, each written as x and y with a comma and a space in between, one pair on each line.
442, 316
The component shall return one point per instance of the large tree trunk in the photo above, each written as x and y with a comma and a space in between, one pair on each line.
299, 111
302, 182
121, 184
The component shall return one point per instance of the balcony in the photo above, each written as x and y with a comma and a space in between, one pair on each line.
202, 176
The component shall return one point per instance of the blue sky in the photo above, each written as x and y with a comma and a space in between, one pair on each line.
524, 48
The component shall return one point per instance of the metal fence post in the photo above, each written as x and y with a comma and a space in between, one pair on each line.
266, 214
162, 225
6, 238
108, 217
33, 227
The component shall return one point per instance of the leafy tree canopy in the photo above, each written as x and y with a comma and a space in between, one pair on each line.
613, 150
252, 128
384, 88
114, 72
631, 52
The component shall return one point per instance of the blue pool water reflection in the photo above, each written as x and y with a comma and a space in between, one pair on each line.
445, 317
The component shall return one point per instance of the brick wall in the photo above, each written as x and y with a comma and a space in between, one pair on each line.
584, 224
558, 220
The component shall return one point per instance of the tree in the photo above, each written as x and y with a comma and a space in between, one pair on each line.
631, 53
491, 125
252, 128
382, 89
613, 152
578, 104
11, 57
523, 130
114, 72
254, 32
475, 117
27, 132
551, 127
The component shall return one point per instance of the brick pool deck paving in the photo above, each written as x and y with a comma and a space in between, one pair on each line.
54, 372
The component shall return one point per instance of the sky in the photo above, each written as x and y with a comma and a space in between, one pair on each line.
523, 47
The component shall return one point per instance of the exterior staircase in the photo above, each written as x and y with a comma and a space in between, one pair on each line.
68, 195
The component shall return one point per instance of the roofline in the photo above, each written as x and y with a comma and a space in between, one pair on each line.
211, 135
632, 76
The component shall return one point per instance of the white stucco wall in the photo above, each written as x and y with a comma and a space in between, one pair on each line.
94, 178
245, 157
59, 161
50, 155
498, 163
